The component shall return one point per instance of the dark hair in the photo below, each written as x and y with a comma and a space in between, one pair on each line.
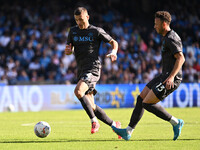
79, 10
164, 16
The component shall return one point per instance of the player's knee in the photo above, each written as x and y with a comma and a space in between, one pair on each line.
93, 107
78, 93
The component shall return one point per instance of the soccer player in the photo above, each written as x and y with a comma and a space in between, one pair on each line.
160, 87
84, 40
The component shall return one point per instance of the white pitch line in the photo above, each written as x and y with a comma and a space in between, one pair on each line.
31, 124
28, 124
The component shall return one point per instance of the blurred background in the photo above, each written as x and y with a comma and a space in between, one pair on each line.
33, 35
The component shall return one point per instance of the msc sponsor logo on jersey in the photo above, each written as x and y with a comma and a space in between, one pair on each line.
84, 38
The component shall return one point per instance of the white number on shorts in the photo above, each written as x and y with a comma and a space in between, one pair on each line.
160, 87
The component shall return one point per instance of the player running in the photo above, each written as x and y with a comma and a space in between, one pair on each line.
84, 41
160, 87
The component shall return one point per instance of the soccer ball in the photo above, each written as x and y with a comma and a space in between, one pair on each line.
10, 108
42, 129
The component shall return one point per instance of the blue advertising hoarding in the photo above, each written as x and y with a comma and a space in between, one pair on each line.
61, 97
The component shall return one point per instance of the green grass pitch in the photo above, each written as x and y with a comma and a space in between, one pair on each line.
71, 130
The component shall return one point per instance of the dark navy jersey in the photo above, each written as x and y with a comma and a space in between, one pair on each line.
86, 43
171, 45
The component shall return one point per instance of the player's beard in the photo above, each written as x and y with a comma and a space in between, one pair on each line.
161, 31
81, 26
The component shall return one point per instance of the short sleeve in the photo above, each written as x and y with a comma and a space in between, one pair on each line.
104, 36
175, 46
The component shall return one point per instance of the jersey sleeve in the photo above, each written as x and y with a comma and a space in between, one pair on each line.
175, 46
69, 38
104, 36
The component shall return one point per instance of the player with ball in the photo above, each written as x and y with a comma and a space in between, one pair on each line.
84, 41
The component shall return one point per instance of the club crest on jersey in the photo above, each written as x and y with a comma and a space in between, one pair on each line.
90, 34
76, 38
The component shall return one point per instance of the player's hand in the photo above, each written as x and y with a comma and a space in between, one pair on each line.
169, 83
68, 49
113, 56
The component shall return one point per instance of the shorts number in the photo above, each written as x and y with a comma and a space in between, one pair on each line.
160, 87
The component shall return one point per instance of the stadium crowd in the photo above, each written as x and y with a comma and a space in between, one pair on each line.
33, 36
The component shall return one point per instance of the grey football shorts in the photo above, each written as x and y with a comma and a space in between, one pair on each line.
158, 87
91, 80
